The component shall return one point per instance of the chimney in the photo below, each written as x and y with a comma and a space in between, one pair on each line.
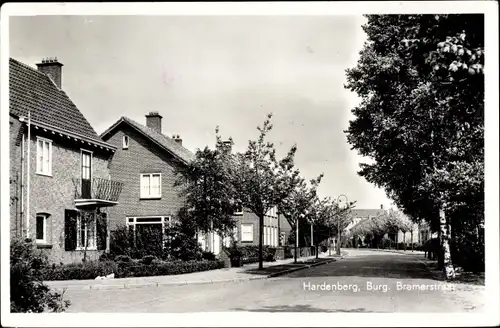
177, 138
52, 68
226, 146
153, 121
381, 206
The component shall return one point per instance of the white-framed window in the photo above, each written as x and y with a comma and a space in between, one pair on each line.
151, 185
43, 156
247, 232
273, 236
125, 142
41, 227
148, 229
86, 231
267, 240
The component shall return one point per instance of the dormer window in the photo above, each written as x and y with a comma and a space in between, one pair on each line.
125, 142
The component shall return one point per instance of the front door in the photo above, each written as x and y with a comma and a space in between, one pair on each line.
86, 174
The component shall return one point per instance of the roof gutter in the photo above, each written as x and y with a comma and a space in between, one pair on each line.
75, 136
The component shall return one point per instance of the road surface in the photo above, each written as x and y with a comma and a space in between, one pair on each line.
366, 281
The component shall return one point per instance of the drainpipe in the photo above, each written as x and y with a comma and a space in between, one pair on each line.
27, 161
28, 179
21, 221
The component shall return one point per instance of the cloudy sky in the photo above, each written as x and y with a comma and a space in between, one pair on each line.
204, 71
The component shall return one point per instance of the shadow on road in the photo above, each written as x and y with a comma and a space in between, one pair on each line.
283, 267
382, 266
299, 308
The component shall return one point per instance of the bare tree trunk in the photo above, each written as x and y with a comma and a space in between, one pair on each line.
338, 242
448, 270
411, 237
261, 241
404, 241
296, 238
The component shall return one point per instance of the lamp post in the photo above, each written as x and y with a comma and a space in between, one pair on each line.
338, 223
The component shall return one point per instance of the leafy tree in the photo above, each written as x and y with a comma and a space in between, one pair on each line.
208, 189
180, 238
421, 83
299, 204
28, 293
260, 180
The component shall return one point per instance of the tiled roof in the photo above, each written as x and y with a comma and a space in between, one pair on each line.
364, 213
33, 91
162, 140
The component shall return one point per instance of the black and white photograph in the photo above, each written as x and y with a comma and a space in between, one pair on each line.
249, 164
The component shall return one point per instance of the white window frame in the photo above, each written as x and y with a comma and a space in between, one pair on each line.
125, 142
39, 165
45, 217
243, 235
150, 196
79, 236
131, 222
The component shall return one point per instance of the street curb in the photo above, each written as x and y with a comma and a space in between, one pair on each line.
182, 283
276, 274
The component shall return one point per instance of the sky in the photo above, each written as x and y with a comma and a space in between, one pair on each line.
200, 72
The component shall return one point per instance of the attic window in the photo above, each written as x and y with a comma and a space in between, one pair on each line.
125, 142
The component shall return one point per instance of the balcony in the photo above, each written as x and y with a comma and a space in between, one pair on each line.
96, 192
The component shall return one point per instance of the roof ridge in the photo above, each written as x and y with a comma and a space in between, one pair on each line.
37, 71
28, 66
152, 130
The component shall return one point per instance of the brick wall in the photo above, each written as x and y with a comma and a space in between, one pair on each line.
249, 217
142, 156
54, 194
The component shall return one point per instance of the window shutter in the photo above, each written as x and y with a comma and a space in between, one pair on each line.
101, 226
70, 230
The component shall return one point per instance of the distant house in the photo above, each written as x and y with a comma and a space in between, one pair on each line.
360, 215
60, 182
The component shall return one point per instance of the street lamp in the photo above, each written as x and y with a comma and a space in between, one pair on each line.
338, 222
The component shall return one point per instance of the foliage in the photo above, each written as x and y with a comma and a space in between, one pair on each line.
208, 189
148, 259
209, 256
28, 293
121, 241
250, 253
123, 258
262, 181
421, 116
180, 239
92, 269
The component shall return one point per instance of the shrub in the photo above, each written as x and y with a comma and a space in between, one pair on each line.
81, 271
180, 240
288, 252
148, 259
28, 293
209, 256
386, 243
250, 253
123, 258
90, 270
106, 257
121, 241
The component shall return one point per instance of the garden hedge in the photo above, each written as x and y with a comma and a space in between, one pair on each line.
143, 268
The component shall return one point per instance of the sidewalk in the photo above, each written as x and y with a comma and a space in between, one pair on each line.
247, 272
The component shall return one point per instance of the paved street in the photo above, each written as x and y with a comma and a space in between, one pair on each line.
369, 278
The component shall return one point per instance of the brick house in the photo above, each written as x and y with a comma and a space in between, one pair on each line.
146, 162
60, 182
